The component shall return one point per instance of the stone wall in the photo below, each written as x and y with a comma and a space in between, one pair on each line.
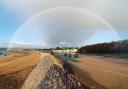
56, 78
48, 75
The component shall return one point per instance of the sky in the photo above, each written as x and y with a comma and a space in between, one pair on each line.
46, 23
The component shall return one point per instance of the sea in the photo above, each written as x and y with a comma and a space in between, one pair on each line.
2, 53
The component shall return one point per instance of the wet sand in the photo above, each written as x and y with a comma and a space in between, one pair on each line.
99, 71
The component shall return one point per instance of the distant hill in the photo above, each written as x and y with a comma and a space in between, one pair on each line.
112, 47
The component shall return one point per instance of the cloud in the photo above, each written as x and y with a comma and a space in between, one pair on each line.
114, 11
65, 44
21, 44
70, 27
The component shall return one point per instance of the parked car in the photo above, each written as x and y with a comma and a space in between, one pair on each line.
73, 55
76, 55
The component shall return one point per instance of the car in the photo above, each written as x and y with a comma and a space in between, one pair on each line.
73, 55
76, 55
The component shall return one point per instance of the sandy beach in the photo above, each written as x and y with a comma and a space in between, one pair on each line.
99, 71
15, 68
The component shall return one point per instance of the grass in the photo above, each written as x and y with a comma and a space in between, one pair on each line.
15, 68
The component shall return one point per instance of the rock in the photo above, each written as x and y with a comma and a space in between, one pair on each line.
56, 78
48, 75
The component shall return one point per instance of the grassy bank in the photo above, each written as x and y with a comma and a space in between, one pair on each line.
15, 68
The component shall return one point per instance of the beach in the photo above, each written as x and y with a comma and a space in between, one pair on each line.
97, 71
16, 67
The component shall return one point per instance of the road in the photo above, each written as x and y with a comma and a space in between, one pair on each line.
101, 72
